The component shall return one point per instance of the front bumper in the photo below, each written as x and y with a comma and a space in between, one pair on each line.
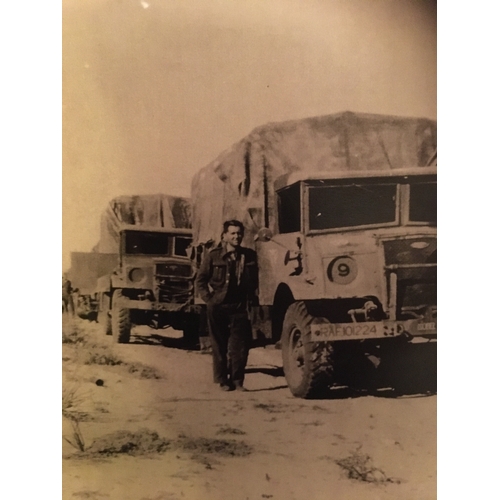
148, 305
412, 328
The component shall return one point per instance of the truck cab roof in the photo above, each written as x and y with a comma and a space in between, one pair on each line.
288, 180
153, 229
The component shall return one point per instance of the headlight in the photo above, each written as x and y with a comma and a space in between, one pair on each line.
342, 270
136, 274
419, 244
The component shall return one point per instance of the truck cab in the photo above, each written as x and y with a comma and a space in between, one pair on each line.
152, 285
155, 267
352, 260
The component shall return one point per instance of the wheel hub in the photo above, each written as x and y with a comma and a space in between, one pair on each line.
297, 351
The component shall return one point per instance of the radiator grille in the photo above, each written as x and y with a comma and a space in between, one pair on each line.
174, 290
173, 269
414, 261
174, 283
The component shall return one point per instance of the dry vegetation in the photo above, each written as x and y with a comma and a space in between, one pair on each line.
81, 349
359, 466
86, 351
124, 406
143, 442
222, 447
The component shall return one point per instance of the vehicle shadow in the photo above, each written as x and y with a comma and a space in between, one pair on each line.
164, 341
343, 392
273, 371
404, 373
267, 389
407, 373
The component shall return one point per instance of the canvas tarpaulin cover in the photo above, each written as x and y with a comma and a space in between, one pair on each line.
86, 267
238, 183
148, 211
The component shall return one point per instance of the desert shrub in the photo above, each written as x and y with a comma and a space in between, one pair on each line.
96, 354
314, 423
269, 408
142, 442
90, 495
73, 334
76, 439
223, 447
143, 371
359, 467
71, 397
230, 430
100, 355
163, 495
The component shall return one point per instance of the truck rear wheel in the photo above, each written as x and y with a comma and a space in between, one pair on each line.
307, 365
120, 319
104, 317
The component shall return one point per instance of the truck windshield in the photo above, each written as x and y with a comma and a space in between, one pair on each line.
153, 243
181, 244
332, 207
423, 202
147, 243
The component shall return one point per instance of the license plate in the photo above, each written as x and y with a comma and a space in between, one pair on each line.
369, 330
349, 331
426, 327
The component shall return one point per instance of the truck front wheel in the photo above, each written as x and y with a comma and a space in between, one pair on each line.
104, 317
307, 365
120, 319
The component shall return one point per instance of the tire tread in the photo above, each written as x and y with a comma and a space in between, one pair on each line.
120, 320
318, 369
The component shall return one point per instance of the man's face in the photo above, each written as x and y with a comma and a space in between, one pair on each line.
233, 236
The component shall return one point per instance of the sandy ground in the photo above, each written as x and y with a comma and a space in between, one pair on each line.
286, 448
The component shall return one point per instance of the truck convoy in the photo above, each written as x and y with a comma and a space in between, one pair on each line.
139, 272
341, 210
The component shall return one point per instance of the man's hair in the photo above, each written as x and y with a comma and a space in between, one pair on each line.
233, 222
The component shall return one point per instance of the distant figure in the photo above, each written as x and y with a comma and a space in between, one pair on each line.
227, 281
68, 305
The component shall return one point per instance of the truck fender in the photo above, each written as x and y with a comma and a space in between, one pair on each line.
104, 284
283, 298
117, 281
285, 295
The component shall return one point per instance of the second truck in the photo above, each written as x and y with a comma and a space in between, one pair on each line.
140, 273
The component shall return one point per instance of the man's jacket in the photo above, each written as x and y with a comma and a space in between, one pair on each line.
212, 280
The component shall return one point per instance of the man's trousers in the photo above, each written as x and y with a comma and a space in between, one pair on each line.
231, 334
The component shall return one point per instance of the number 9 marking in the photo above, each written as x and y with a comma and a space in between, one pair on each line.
342, 270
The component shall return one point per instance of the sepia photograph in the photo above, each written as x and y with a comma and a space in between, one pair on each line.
249, 250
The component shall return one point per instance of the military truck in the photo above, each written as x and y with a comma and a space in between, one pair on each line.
341, 210
151, 282
86, 268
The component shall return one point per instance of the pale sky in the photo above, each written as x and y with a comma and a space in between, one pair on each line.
154, 90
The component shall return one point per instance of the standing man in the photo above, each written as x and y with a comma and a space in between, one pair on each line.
67, 296
227, 281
